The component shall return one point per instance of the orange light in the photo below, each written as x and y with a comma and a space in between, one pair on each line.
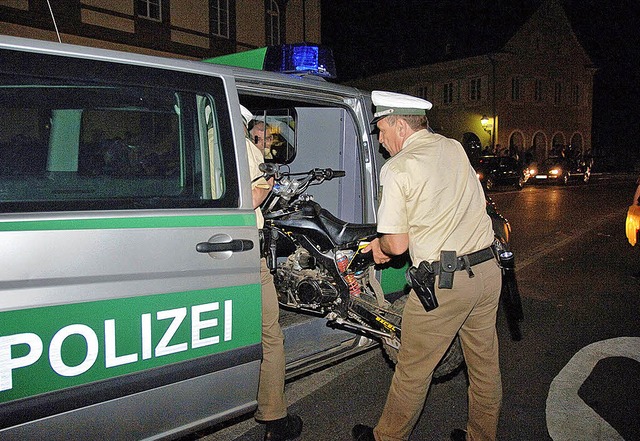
633, 223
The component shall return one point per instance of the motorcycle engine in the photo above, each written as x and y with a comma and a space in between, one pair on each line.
302, 283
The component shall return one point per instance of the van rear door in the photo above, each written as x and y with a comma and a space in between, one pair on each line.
129, 257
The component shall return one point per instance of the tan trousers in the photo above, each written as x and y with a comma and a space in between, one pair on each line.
470, 310
271, 401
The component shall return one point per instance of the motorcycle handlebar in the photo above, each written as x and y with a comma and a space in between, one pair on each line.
327, 174
270, 169
288, 186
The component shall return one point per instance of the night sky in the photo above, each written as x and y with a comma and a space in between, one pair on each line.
371, 36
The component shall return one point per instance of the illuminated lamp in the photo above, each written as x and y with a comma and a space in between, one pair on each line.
298, 59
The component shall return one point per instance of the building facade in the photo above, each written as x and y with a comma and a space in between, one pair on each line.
183, 28
530, 96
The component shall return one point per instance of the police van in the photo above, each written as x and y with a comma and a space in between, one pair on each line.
113, 168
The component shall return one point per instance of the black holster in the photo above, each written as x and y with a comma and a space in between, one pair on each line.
422, 279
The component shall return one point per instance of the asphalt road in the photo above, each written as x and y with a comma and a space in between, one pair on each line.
574, 376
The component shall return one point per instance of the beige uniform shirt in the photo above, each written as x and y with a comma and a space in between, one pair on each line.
431, 192
255, 159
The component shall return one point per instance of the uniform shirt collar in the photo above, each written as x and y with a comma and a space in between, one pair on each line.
411, 141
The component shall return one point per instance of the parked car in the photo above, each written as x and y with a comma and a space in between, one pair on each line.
563, 170
500, 170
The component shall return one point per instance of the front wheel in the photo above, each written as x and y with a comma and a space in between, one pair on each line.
451, 361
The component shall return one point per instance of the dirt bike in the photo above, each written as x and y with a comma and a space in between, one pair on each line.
319, 266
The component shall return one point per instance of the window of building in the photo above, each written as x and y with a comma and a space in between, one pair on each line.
273, 22
557, 93
576, 95
475, 89
219, 18
150, 9
537, 91
423, 92
447, 93
515, 89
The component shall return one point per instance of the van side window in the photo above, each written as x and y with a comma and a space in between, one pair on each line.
307, 133
69, 143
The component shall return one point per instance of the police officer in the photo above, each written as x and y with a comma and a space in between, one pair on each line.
432, 202
272, 405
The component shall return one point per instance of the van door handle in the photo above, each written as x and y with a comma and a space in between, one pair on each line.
235, 245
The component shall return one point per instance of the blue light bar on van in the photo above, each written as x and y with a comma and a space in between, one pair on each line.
296, 59
301, 59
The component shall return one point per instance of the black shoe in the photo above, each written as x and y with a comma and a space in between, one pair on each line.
360, 432
284, 429
459, 435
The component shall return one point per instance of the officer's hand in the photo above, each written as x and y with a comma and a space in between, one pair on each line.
378, 255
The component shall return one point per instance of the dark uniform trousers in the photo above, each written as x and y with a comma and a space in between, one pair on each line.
469, 308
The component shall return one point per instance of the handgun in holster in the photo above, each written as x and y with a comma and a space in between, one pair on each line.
422, 279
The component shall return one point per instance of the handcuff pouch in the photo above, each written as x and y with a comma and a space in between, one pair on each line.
448, 265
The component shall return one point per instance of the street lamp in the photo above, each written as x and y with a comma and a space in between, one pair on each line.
487, 127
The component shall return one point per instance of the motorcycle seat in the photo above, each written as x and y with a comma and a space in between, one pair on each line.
343, 232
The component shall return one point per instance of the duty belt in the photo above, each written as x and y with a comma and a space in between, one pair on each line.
450, 263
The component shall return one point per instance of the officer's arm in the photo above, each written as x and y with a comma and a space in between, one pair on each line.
394, 244
260, 192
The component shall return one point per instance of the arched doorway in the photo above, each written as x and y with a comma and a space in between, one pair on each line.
539, 147
516, 144
557, 145
576, 143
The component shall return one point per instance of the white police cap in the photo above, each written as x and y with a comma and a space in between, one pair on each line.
392, 103
246, 114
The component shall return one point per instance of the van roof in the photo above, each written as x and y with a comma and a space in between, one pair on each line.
185, 65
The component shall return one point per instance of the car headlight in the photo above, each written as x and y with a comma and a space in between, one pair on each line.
531, 172
555, 171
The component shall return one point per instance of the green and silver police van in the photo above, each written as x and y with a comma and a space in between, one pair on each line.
113, 168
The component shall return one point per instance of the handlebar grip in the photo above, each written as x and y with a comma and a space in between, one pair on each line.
268, 168
330, 174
